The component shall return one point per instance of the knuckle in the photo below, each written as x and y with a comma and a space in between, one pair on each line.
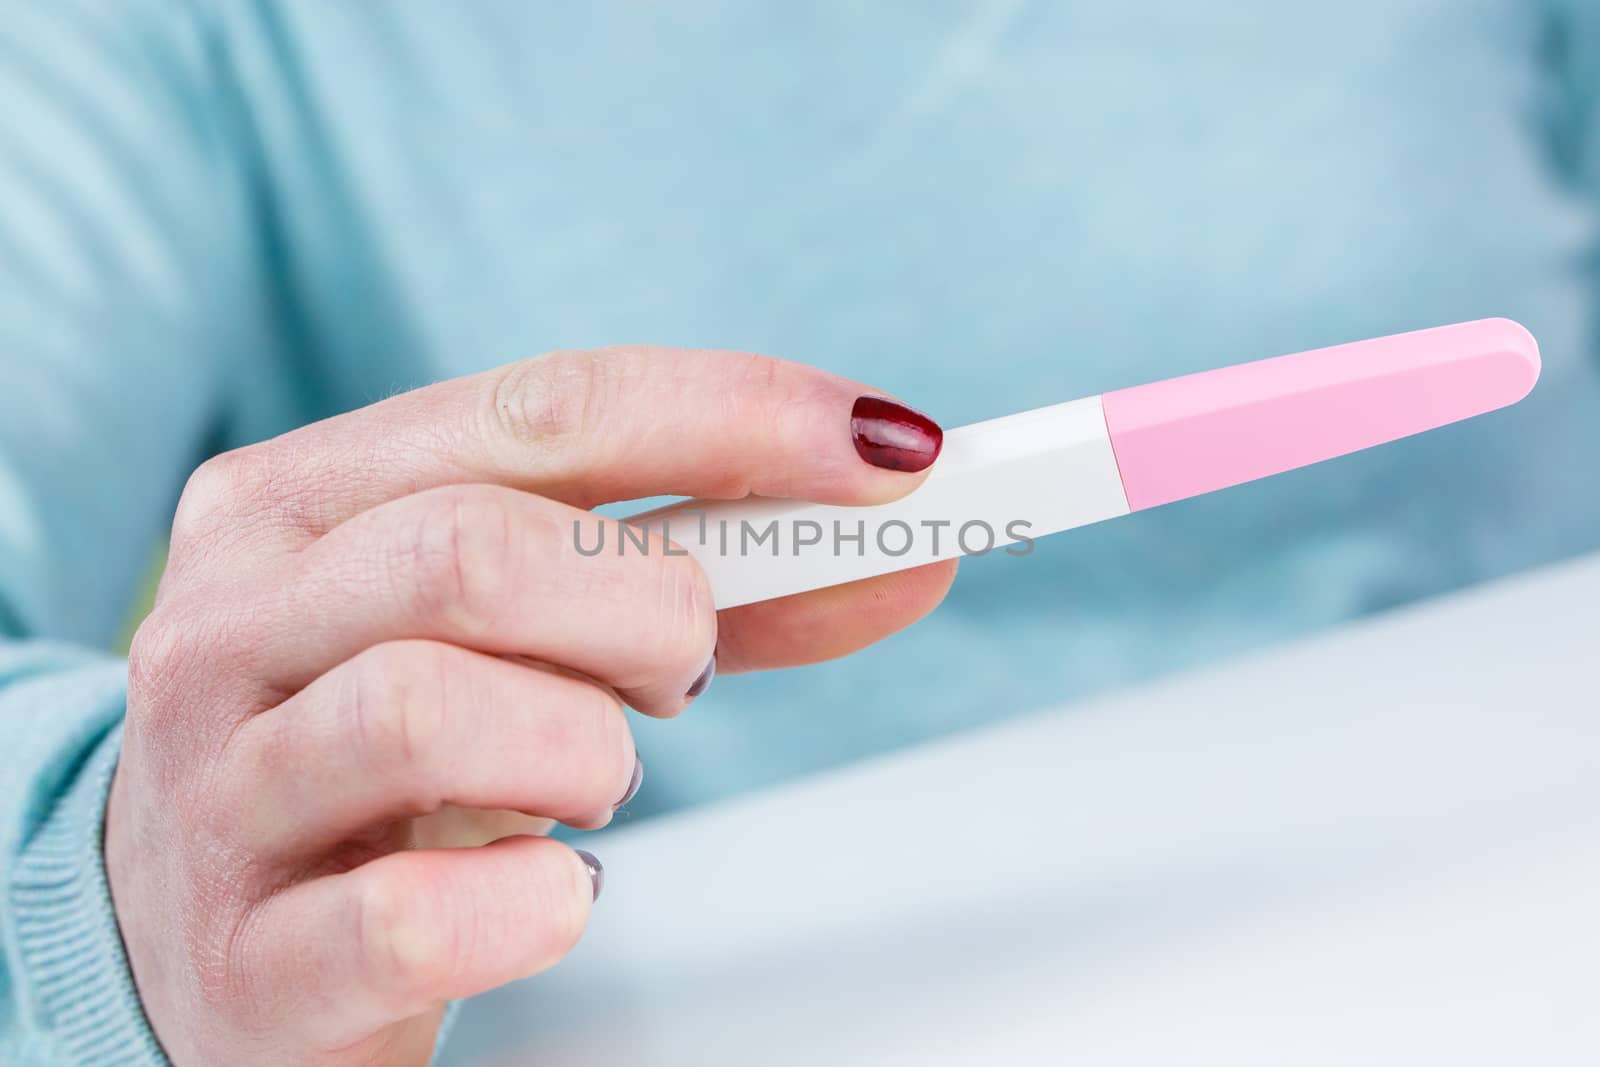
224, 490
461, 554
550, 400
397, 709
186, 686
209, 489
408, 934
164, 651
155, 644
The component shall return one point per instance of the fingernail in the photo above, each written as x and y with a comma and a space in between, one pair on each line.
894, 437
702, 683
597, 873
633, 783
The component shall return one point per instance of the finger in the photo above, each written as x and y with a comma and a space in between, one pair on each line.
828, 623
407, 727
583, 428
491, 569
354, 952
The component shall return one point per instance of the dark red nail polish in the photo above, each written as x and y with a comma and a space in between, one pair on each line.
894, 437
702, 683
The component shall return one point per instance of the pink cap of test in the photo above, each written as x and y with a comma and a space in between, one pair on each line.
1186, 436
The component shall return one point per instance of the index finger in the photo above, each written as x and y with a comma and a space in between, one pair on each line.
587, 428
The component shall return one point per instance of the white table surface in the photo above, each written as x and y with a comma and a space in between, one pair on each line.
1379, 846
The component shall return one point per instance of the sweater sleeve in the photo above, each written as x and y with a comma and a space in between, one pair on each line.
139, 331
69, 996
120, 217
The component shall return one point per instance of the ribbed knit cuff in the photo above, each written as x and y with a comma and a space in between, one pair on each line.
66, 932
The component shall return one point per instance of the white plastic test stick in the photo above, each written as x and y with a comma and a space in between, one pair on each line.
999, 484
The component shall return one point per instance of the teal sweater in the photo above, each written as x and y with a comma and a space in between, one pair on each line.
222, 219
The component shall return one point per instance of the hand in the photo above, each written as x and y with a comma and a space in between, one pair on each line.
376, 642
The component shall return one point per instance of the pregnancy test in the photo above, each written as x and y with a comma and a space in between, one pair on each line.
1000, 484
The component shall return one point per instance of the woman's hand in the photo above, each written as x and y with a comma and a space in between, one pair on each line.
376, 640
